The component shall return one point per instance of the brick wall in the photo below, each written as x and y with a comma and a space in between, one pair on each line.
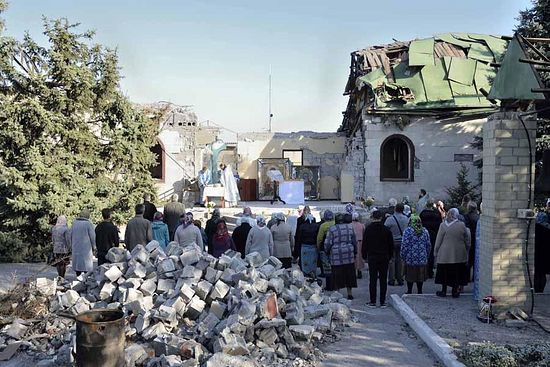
505, 189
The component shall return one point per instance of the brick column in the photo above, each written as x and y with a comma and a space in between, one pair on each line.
505, 190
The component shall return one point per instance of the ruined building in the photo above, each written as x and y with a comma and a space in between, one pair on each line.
414, 108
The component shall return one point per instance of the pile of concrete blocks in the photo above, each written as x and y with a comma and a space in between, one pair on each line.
187, 308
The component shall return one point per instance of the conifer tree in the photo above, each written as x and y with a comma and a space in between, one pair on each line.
463, 187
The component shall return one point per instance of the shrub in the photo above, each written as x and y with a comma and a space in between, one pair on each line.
12, 248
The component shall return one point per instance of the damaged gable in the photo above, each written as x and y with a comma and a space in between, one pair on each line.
442, 74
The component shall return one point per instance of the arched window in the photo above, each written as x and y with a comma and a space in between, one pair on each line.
397, 159
157, 169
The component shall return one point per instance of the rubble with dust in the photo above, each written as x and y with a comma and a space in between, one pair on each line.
188, 308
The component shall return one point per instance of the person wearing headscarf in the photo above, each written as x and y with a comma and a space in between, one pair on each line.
240, 234
272, 220
172, 213
83, 243
415, 248
297, 243
187, 233
306, 236
431, 220
341, 246
260, 239
138, 230
359, 229
211, 228
197, 223
61, 239
326, 268
328, 217
160, 230
106, 236
397, 223
283, 241
222, 241
452, 246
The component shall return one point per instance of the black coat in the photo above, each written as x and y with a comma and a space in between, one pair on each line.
307, 234
106, 236
172, 213
431, 220
470, 220
150, 210
377, 243
297, 244
210, 230
240, 234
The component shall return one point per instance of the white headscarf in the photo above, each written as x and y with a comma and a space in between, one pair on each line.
452, 216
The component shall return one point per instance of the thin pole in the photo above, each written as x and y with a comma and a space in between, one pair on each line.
270, 114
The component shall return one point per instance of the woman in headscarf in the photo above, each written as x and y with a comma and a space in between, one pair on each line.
306, 236
61, 245
415, 248
359, 229
260, 239
187, 233
297, 244
211, 228
83, 243
222, 241
341, 246
282, 240
451, 254
160, 230
240, 234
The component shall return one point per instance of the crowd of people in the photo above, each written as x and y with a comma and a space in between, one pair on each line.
399, 245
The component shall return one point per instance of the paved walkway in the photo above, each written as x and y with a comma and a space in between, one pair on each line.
380, 337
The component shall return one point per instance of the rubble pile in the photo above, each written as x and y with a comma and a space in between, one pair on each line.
188, 308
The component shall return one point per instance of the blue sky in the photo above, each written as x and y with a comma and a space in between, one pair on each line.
215, 55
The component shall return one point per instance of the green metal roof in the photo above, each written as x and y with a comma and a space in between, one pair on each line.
432, 79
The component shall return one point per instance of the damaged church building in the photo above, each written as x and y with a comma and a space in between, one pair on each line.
414, 109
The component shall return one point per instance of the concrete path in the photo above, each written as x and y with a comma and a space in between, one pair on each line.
380, 337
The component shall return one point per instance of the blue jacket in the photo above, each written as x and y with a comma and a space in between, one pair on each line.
160, 233
415, 249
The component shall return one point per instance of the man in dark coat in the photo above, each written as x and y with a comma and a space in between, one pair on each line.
378, 251
139, 230
240, 234
431, 220
211, 228
150, 208
172, 213
106, 236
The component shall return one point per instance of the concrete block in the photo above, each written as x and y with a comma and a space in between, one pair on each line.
224, 262
139, 253
227, 275
166, 267
260, 285
294, 314
107, 291
153, 331
188, 272
166, 313
152, 246
267, 270
189, 256
238, 264
116, 255
135, 354
219, 291
113, 273
302, 332
276, 263
212, 275
202, 289
136, 271
195, 308
165, 285
69, 298
276, 284
268, 336
254, 259
142, 322
178, 304
218, 309
186, 293
46, 287
148, 287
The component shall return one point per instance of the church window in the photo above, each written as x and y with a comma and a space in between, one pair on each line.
397, 159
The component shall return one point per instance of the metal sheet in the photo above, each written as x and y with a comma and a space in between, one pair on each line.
421, 52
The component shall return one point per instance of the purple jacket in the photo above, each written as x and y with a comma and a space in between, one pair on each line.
219, 247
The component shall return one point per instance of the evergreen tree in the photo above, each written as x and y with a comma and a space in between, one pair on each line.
69, 139
463, 187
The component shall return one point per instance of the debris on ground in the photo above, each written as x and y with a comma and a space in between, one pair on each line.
186, 308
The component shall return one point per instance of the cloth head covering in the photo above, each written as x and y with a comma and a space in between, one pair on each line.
349, 208
186, 219
215, 213
339, 218
85, 213
348, 218
407, 210
452, 216
260, 220
238, 222
328, 215
305, 211
247, 212
158, 216
416, 224
221, 231
309, 218
405, 200
392, 202
355, 216
279, 217
61, 221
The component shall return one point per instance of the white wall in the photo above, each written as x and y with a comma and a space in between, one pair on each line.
436, 143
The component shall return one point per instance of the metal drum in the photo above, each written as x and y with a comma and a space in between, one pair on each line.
100, 338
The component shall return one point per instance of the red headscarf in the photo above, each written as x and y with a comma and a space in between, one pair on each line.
221, 233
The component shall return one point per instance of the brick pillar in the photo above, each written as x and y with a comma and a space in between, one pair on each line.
505, 190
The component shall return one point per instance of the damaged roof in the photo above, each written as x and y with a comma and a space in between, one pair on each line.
447, 71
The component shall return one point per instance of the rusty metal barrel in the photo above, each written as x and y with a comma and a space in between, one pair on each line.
100, 338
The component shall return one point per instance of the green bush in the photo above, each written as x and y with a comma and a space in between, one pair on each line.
12, 248
490, 354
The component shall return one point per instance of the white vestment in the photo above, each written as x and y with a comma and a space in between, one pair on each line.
229, 183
